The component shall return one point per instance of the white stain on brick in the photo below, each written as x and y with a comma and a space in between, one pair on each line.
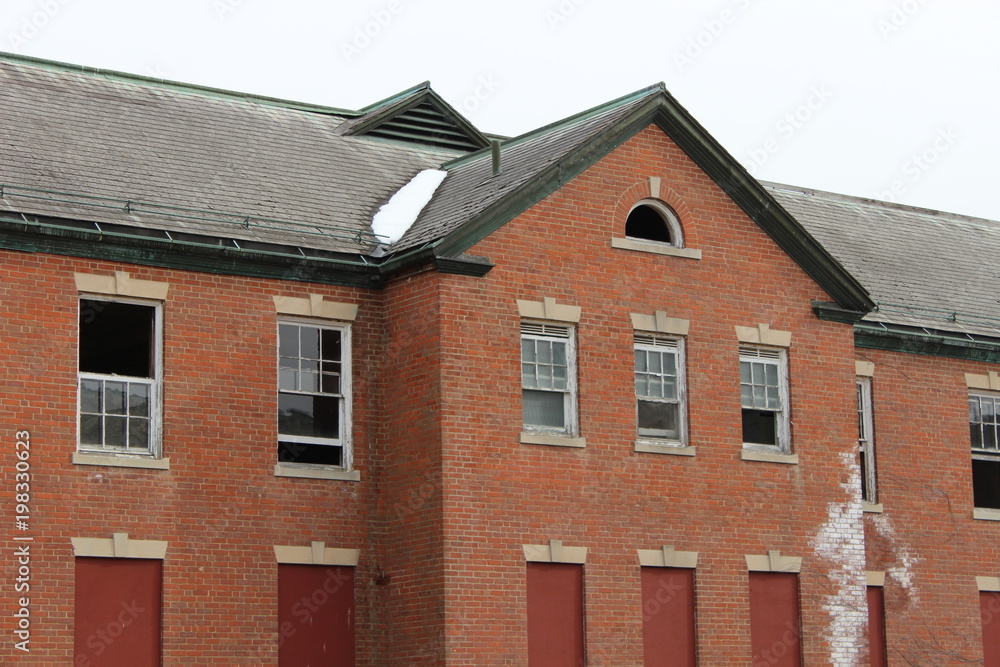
902, 572
841, 540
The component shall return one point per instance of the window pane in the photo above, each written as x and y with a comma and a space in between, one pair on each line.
331, 383
543, 408
771, 373
309, 382
773, 399
655, 362
138, 399
91, 432
114, 398
286, 379
309, 342
640, 361
655, 387
90, 395
544, 350
975, 414
559, 353
288, 340
527, 349
313, 416
669, 363
989, 437
745, 374
659, 417
298, 452
976, 434
758, 373
670, 388
138, 433
114, 431
331, 344
746, 396
528, 379
559, 377
759, 426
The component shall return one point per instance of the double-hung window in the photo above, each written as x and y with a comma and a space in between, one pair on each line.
119, 377
313, 394
866, 440
548, 378
764, 398
659, 387
984, 429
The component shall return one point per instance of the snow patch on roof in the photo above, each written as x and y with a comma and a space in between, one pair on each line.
401, 211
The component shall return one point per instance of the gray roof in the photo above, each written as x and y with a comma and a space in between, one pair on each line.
924, 268
116, 149
471, 188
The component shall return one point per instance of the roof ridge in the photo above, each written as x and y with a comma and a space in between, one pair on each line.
176, 86
396, 97
569, 120
871, 201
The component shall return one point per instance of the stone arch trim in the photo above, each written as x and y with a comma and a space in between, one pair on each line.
656, 188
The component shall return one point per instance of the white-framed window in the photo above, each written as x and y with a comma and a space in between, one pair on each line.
866, 440
984, 430
764, 398
661, 413
652, 220
314, 389
120, 376
548, 378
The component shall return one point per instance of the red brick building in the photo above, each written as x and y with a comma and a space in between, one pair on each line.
242, 428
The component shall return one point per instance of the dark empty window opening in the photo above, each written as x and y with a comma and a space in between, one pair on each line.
116, 338
645, 222
984, 428
759, 427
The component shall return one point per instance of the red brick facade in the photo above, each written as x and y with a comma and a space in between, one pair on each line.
449, 495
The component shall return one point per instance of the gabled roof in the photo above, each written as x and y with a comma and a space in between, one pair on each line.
473, 202
421, 116
925, 269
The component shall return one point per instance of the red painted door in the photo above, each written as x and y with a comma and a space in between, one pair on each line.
775, 635
668, 634
117, 612
555, 615
315, 616
876, 627
989, 607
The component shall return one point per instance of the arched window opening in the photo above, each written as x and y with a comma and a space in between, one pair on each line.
653, 222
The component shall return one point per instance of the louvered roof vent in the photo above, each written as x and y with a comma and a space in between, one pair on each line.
420, 116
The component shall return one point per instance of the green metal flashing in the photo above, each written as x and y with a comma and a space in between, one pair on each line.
207, 258
930, 343
661, 109
177, 86
466, 265
831, 312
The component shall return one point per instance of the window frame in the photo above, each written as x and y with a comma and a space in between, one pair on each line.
155, 449
670, 219
866, 440
344, 441
570, 416
981, 453
681, 379
750, 353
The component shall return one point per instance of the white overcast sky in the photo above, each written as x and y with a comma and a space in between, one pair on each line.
851, 96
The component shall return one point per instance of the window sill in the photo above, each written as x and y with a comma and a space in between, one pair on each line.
672, 448
315, 472
768, 457
530, 438
655, 248
86, 459
986, 514
871, 508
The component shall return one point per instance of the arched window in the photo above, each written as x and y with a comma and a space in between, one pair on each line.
651, 220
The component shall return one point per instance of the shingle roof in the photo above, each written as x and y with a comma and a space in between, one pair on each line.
924, 268
471, 187
222, 157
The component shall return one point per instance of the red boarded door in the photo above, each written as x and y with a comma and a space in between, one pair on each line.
315, 616
555, 615
775, 637
668, 635
876, 627
117, 612
989, 607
